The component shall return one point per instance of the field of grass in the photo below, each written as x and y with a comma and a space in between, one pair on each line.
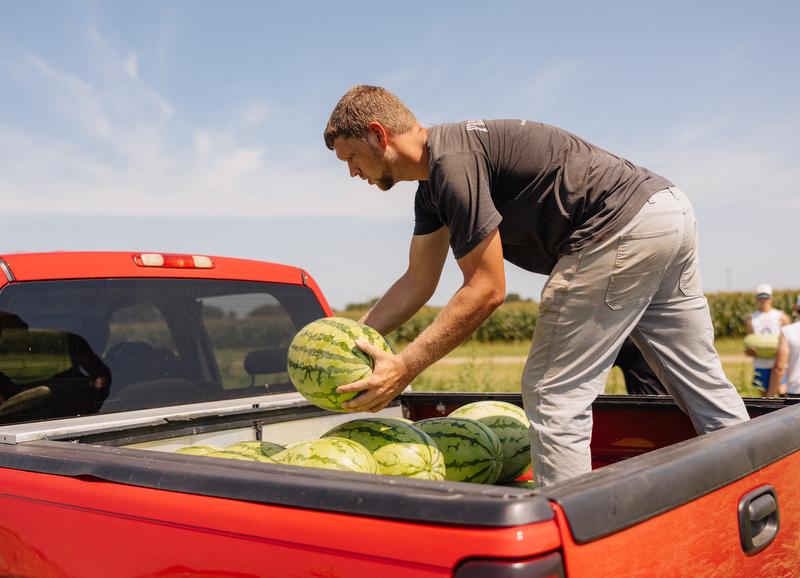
473, 366
478, 366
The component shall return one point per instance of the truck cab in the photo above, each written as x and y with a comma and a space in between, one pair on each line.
144, 330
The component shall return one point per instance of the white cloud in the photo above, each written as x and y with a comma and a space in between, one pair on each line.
255, 113
127, 155
75, 99
721, 163
216, 177
132, 66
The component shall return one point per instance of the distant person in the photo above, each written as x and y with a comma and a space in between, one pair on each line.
640, 379
766, 320
787, 359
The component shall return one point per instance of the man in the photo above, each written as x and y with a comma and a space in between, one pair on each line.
787, 359
617, 241
764, 321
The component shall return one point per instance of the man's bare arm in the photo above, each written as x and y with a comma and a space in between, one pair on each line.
778, 369
748, 328
409, 293
482, 292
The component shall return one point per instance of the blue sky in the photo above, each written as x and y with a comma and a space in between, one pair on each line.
196, 126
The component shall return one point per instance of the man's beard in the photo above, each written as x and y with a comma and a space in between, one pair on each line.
386, 180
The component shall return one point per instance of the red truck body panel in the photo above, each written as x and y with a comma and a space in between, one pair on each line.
148, 532
700, 538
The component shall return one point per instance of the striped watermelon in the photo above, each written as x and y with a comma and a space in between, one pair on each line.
237, 456
510, 425
323, 356
399, 448
257, 448
472, 452
197, 450
329, 453
34, 398
764, 344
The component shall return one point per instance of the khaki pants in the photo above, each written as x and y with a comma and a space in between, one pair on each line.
644, 282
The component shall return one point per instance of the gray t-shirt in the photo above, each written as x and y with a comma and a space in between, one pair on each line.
550, 192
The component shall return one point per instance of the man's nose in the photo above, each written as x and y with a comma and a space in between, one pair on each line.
353, 170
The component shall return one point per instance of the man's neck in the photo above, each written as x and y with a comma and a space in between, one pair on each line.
412, 152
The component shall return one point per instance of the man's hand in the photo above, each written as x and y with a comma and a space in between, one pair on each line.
389, 377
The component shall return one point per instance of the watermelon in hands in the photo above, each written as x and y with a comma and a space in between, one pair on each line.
324, 355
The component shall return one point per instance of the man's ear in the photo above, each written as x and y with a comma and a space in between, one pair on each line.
380, 134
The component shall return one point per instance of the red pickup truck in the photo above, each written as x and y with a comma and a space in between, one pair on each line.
111, 361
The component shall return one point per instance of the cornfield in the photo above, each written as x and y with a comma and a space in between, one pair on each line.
515, 320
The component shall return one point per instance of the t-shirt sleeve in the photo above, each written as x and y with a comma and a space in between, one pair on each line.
461, 189
426, 217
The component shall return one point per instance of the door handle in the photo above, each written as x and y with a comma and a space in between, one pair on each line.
759, 519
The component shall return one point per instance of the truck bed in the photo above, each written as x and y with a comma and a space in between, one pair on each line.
637, 489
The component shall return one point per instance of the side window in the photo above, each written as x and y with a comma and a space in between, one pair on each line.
250, 334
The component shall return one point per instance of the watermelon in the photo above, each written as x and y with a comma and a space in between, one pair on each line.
399, 448
35, 398
764, 344
197, 450
472, 452
257, 448
510, 425
235, 456
329, 453
404, 420
323, 355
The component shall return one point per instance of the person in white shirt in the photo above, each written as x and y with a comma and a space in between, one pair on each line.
787, 359
766, 320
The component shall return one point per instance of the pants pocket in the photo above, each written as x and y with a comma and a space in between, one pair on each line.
640, 263
690, 284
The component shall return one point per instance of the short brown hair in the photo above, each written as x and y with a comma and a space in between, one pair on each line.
362, 105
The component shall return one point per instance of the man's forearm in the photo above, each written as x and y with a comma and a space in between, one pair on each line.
462, 315
397, 306
775, 379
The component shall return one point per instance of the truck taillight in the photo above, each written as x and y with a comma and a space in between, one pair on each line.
173, 261
550, 566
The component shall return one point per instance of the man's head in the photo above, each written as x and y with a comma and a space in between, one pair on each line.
361, 128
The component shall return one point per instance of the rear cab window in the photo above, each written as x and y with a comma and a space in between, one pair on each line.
100, 346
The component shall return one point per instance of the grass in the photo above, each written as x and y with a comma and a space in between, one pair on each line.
473, 366
476, 366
